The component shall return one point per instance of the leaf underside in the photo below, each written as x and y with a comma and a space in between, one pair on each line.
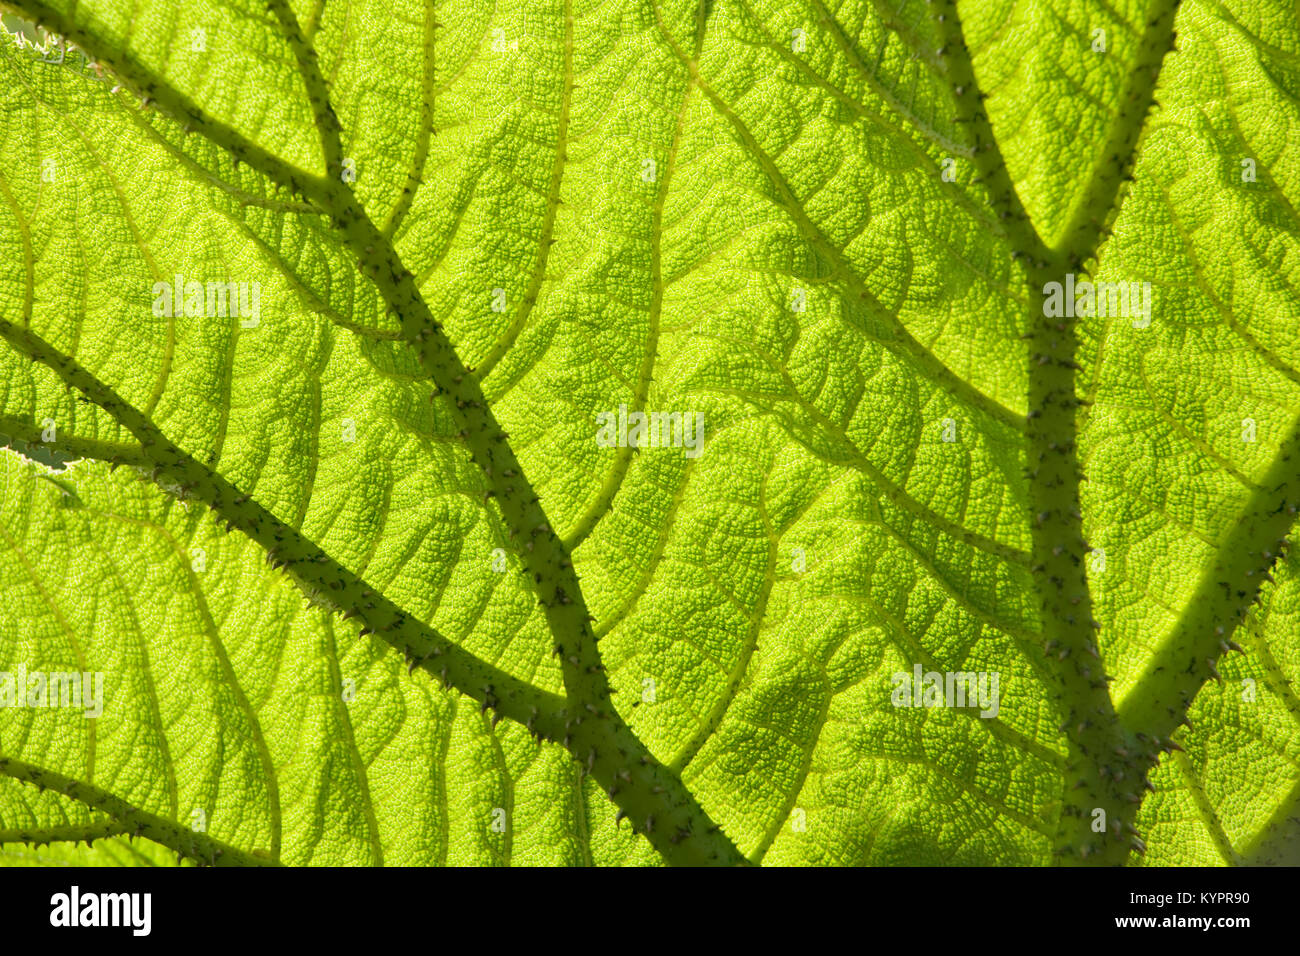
366, 588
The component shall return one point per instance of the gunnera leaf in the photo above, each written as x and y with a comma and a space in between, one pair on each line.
546, 433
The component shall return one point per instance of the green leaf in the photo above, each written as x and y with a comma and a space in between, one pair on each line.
365, 581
